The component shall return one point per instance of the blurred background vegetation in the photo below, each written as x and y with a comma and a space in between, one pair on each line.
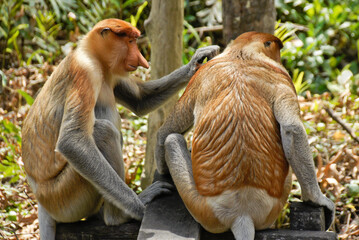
321, 53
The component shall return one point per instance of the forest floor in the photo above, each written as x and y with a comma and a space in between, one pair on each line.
336, 154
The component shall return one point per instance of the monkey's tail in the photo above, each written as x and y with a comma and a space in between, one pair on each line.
179, 162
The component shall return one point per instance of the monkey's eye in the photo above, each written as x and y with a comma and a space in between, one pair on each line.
104, 31
267, 43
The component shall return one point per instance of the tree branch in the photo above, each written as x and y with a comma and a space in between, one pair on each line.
342, 123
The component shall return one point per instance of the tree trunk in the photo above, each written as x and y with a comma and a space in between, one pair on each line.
164, 28
241, 16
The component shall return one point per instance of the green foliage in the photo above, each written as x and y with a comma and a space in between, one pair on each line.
29, 100
48, 21
192, 41
10, 134
284, 32
353, 188
327, 33
46, 31
299, 84
10, 29
90, 12
134, 19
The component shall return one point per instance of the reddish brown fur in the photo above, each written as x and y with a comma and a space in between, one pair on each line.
231, 150
202, 214
116, 54
236, 139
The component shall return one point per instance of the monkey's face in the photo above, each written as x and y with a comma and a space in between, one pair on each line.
262, 43
114, 44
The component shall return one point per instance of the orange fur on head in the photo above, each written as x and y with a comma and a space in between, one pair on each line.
118, 27
113, 42
257, 43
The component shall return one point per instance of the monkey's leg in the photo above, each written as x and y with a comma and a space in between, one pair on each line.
47, 224
178, 160
298, 153
109, 141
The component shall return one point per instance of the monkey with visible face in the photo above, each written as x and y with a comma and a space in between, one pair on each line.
247, 136
72, 145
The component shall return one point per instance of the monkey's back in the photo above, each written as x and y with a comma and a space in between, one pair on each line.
40, 132
236, 140
41, 127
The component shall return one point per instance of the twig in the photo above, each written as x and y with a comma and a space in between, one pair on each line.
201, 30
340, 121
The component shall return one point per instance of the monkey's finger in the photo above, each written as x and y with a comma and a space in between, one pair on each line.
215, 51
206, 52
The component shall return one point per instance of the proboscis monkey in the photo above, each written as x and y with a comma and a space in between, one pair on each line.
247, 135
72, 145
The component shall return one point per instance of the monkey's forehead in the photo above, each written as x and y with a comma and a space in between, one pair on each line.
119, 26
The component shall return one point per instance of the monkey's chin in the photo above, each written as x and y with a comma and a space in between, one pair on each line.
130, 68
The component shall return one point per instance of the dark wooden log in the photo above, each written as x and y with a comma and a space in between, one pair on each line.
168, 218
275, 234
95, 229
306, 223
306, 217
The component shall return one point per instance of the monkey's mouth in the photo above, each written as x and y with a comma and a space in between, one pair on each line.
131, 68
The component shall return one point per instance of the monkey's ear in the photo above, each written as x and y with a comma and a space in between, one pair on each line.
105, 31
280, 44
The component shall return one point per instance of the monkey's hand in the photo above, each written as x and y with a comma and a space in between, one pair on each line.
323, 201
155, 189
200, 55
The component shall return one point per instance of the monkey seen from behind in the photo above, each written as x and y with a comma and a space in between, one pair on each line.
72, 145
247, 137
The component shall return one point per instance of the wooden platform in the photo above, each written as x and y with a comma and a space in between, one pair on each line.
167, 218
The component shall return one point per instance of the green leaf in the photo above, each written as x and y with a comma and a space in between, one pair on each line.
3, 33
299, 84
192, 30
139, 11
13, 37
127, 3
133, 20
22, 26
353, 188
27, 97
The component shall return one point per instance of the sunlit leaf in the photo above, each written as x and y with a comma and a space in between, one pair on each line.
27, 97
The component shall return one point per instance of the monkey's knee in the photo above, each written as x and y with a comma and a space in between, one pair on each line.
176, 150
114, 216
176, 145
104, 128
175, 140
